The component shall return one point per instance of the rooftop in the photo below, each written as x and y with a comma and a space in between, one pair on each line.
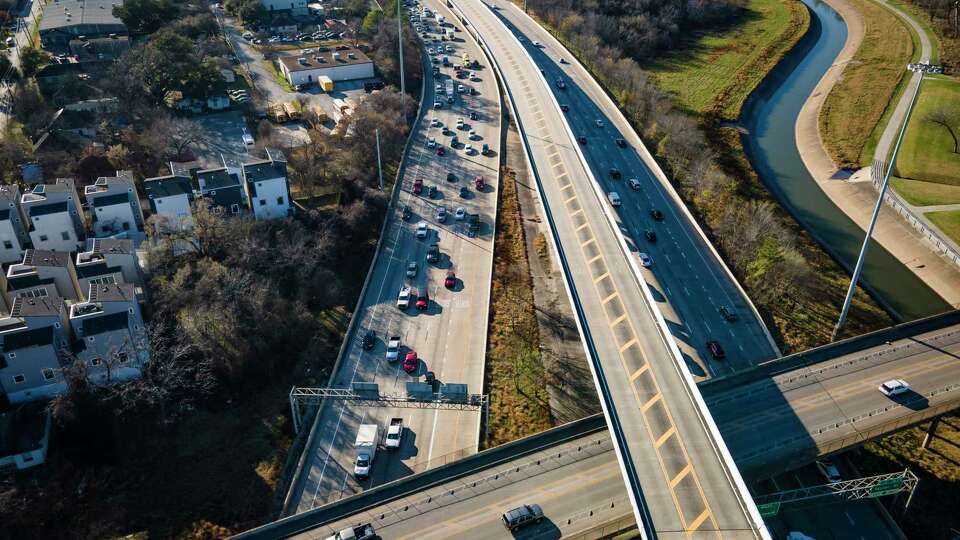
104, 183
110, 200
264, 170
43, 257
321, 60
105, 323
116, 292
167, 186
36, 307
216, 179
112, 245
45, 209
63, 13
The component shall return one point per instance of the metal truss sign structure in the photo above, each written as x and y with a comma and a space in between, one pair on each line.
861, 488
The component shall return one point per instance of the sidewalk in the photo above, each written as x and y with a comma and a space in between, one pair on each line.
856, 196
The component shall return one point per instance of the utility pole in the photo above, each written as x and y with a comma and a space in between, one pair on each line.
379, 164
403, 81
858, 269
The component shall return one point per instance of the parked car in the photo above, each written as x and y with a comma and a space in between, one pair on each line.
451, 280
442, 214
441, 151
407, 213
645, 260
478, 183
418, 186
403, 298
522, 515
393, 348
412, 269
464, 192
716, 350
474, 115
422, 229
410, 362
460, 213
829, 471
894, 387
369, 340
423, 301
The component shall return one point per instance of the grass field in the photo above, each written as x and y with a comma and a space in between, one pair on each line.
716, 73
948, 222
933, 510
920, 193
927, 151
514, 375
856, 108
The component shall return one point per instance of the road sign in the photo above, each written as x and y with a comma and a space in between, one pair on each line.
886, 487
769, 509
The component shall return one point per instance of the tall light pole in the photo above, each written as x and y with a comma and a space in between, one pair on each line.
858, 269
403, 82
379, 163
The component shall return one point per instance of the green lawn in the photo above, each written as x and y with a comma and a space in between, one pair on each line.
948, 221
719, 70
927, 151
920, 193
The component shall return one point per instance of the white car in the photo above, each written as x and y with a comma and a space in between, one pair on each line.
468, 149
449, 48
422, 229
537, 44
432, 142
599, 123
473, 135
634, 183
412, 269
459, 123
247, 139
460, 213
829, 471
645, 260
894, 387
439, 90
403, 299
434, 122
393, 348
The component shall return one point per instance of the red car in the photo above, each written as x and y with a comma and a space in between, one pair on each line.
441, 151
716, 350
417, 186
410, 362
451, 280
478, 182
423, 301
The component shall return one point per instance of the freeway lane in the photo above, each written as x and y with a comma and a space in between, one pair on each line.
677, 464
687, 278
450, 336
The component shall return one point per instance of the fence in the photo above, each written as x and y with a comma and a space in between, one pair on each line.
947, 248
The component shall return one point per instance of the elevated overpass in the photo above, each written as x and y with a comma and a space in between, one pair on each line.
563, 468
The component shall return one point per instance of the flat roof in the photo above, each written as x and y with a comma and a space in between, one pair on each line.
324, 60
63, 13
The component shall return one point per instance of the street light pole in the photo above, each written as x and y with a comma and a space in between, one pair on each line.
403, 82
858, 269
379, 163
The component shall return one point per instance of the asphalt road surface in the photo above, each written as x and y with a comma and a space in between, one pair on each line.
686, 277
450, 336
686, 486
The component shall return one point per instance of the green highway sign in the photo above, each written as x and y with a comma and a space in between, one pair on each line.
769, 509
886, 487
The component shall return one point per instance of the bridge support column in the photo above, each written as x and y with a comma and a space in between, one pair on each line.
931, 433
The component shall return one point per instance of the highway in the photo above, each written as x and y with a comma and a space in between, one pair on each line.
688, 279
24, 22
574, 478
680, 476
450, 336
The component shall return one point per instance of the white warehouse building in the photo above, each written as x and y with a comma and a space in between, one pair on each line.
343, 65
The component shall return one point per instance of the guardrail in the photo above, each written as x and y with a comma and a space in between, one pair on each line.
766, 370
398, 489
351, 326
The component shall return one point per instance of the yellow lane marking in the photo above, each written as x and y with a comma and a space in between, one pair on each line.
665, 436
609, 298
680, 475
595, 258
626, 346
588, 242
651, 403
585, 224
618, 320
700, 519
605, 274
577, 212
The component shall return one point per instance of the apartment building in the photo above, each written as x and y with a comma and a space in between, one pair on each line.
56, 221
41, 274
34, 339
222, 189
115, 207
170, 199
111, 337
116, 254
267, 190
13, 225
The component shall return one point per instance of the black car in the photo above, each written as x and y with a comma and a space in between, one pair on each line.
432, 192
407, 213
582, 140
433, 253
369, 340
430, 378
464, 191
615, 173
728, 314
522, 515
564, 107
451, 177
650, 235
473, 225
716, 350
474, 115
656, 214
622, 143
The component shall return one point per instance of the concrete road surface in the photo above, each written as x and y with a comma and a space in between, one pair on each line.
669, 453
686, 277
450, 336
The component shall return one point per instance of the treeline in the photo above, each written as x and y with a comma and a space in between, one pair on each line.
945, 18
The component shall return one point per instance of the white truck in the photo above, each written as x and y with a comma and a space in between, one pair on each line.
360, 532
366, 446
450, 90
394, 433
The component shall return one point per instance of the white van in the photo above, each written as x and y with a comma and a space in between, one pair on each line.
614, 198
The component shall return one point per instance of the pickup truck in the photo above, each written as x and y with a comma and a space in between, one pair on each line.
394, 433
361, 532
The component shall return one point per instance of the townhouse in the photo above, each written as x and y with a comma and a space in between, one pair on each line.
56, 220
34, 340
13, 225
115, 207
111, 339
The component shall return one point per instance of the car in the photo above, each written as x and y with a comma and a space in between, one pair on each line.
468, 149
650, 236
485, 150
582, 140
599, 123
248, 139
473, 225
560, 84
522, 515
441, 151
645, 260
407, 213
247, 35
894, 387
728, 314
622, 143
464, 192
403, 298
537, 44
454, 141
716, 350
474, 115
459, 123
460, 213
431, 142
451, 177
393, 348
474, 77
369, 340
437, 105
410, 362
412, 269
434, 122
418, 186
473, 136
656, 215
429, 50
478, 183
430, 378
615, 173
422, 229
634, 183
433, 253
432, 192
423, 301
829, 471
442, 214
451, 280
564, 107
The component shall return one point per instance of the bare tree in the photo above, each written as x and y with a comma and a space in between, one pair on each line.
949, 118
169, 136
